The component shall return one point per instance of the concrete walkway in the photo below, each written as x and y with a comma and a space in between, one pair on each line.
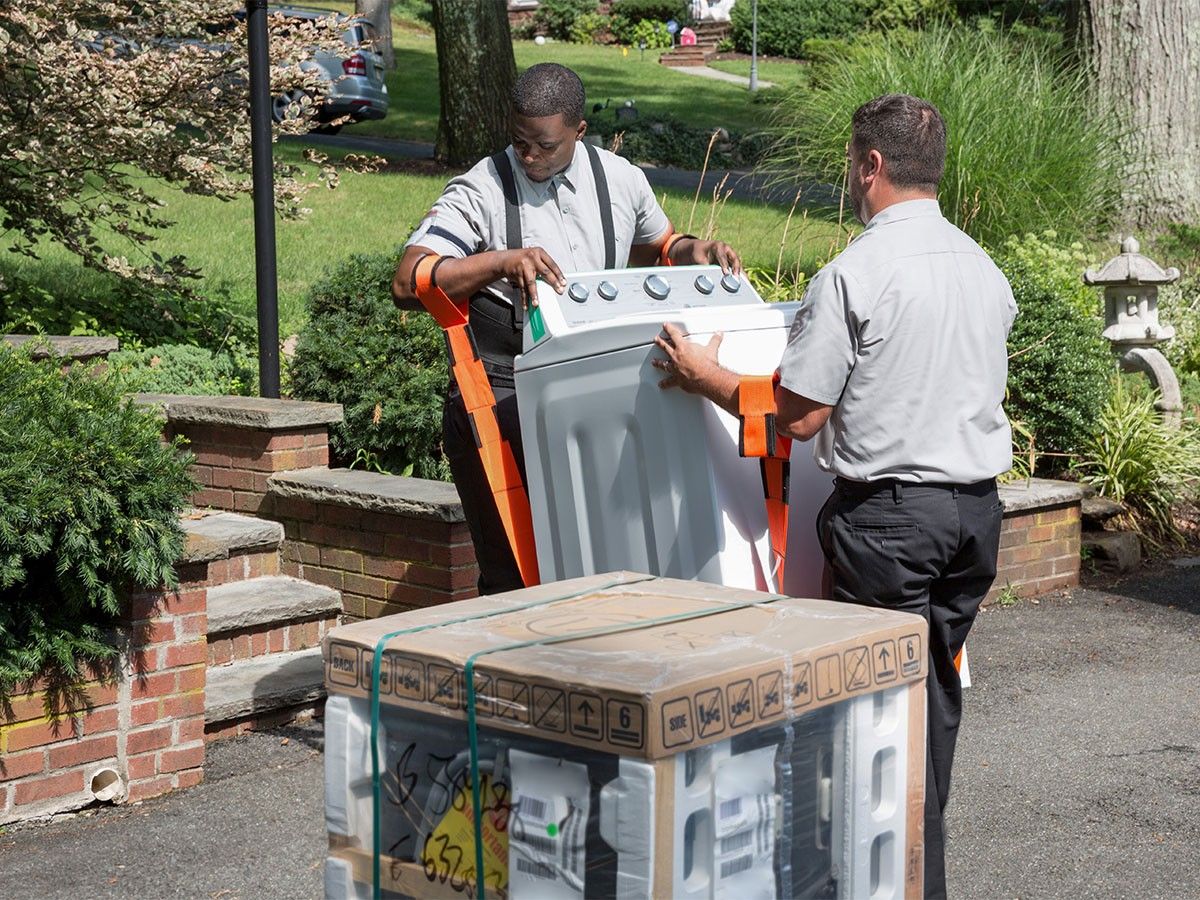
1078, 775
717, 75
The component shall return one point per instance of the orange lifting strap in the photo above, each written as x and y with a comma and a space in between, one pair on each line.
499, 462
664, 258
757, 437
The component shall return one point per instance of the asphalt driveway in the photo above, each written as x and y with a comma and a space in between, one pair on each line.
1078, 775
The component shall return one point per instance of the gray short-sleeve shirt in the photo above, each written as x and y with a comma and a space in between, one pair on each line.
905, 335
560, 215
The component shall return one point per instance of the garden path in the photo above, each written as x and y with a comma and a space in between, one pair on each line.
718, 75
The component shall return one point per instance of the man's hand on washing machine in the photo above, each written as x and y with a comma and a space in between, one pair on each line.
694, 368
522, 269
698, 252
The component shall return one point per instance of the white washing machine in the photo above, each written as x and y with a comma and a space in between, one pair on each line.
624, 475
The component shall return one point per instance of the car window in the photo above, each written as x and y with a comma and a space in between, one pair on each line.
361, 35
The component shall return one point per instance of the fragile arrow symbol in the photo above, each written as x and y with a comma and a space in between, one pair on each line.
586, 708
883, 655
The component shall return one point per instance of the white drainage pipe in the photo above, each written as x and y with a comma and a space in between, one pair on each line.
107, 785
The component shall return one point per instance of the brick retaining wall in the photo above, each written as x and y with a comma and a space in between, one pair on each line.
389, 544
1040, 538
239, 442
145, 720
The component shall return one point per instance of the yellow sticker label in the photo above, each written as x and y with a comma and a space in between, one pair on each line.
449, 852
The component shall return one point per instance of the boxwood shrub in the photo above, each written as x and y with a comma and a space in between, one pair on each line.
386, 367
90, 499
182, 369
1060, 368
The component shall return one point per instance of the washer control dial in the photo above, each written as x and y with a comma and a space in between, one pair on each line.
578, 292
731, 283
607, 290
704, 284
657, 287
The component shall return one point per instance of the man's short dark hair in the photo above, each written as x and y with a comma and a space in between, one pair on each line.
549, 89
909, 134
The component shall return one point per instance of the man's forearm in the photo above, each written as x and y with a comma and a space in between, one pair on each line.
463, 278
720, 386
459, 278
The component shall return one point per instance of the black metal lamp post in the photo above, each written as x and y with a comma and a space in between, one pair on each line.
264, 199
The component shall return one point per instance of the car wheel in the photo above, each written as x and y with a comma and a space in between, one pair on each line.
288, 105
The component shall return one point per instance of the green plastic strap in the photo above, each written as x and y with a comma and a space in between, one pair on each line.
537, 324
377, 665
469, 678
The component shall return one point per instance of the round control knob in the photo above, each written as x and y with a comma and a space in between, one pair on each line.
657, 287
607, 290
704, 284
578, 292
731, 283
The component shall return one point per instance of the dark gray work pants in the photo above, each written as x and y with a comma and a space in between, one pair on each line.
929, 550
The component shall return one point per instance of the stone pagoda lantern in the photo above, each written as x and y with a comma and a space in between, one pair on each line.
1130, 283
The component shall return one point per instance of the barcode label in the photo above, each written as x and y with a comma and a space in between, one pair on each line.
532, 808
536, 869
741, 864
731, 808
539, 842
736, 842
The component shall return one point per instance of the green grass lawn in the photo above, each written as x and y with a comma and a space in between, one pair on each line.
370, 213
608, 73
781, 73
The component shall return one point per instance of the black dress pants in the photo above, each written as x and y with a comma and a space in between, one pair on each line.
929, 550
497, 566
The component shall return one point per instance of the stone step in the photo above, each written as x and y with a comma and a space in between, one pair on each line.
1119, 551
262, 685
1096, 510
686, 59
269, 600
221, 535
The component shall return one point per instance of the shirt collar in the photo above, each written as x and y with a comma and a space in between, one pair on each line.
908, 209
569, 177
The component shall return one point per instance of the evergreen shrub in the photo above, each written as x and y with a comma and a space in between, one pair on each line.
784, 25
1060, 368
386, 367
556, 18
90, 499
181, 369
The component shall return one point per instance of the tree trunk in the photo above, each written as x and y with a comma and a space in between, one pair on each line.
379, 14
476, 71
1144, 60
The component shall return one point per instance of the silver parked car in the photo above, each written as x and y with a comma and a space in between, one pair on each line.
356, 89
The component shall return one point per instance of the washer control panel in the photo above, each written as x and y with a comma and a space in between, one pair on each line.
598, 296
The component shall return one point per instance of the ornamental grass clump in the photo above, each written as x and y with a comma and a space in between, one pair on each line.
1135, 459
1025, 149
90, 498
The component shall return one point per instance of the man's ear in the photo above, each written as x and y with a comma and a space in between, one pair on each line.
581, 130
873, 166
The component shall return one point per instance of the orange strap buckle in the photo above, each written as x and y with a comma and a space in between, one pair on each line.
756, 410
